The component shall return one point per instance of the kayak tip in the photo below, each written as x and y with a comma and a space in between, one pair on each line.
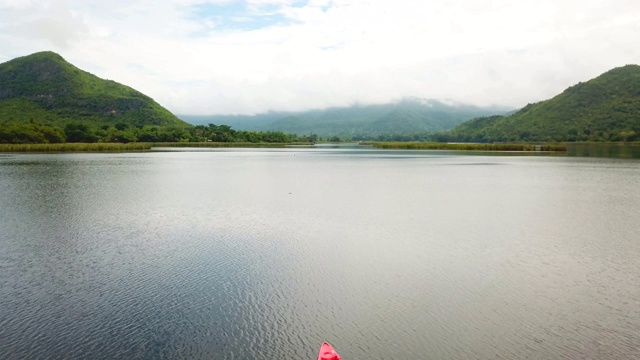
327, 352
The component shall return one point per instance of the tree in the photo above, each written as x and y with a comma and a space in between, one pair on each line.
628, 135
79, 133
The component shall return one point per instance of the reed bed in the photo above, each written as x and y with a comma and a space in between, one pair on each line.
130, 147
225, 144
553, 147
75, 147
466, 146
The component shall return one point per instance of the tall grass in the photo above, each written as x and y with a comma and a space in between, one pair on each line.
75, 147
553, 147
119, 147
225, 144
466, 146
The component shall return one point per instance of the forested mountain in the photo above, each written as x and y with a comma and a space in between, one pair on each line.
44, 87
43, 98
406, 117
606, 108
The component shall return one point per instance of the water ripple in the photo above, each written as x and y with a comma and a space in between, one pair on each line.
205, 255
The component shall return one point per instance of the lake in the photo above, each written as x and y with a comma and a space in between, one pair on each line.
265, 253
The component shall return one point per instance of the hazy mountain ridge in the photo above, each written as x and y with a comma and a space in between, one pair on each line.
409, 116
606, 108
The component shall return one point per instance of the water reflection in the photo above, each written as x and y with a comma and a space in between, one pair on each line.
266, 253
623, 151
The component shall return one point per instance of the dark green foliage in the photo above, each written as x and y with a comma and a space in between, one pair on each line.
606, 108
30, 134
16, 133
79, 133
224, 133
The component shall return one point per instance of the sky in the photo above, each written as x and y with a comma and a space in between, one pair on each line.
207, 57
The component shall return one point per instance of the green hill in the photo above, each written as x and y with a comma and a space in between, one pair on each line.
606, 108
42, 91
402, 119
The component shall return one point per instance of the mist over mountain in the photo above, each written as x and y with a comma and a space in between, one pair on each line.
405, 117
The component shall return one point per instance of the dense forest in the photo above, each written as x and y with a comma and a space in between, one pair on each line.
19, 133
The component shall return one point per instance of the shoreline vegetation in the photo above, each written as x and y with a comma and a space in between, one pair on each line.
133, 146
468, 146
148, 146
599, 149
120, 147
75, 147
238, 144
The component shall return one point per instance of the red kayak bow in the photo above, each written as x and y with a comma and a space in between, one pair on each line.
327, 352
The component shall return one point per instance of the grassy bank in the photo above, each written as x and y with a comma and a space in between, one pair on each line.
75, 147
118, 147
467, 146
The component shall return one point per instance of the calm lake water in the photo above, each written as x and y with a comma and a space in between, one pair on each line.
264, 254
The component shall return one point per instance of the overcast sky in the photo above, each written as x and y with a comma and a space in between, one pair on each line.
250, 56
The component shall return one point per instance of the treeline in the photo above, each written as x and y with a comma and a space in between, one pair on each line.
19, 133
510, 129
224, 133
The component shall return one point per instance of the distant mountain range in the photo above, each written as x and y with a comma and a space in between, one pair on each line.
409, 116
46, 89
606, 108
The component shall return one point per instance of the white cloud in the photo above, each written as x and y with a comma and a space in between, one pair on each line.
317, 53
